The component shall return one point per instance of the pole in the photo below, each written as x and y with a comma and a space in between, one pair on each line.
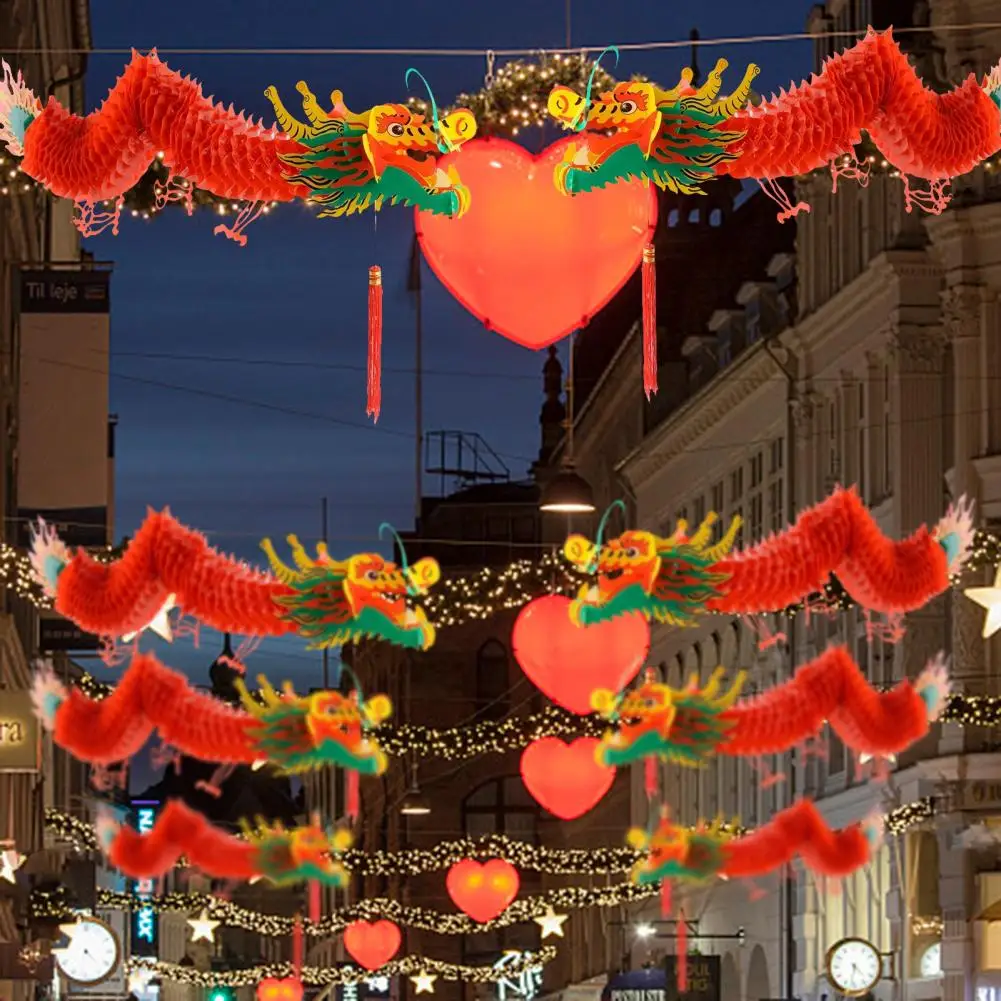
324, 531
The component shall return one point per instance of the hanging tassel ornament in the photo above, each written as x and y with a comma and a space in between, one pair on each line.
352, 795
649, 321
297, 947
682, 947
374, 405
665, 898
650, 776
314, 901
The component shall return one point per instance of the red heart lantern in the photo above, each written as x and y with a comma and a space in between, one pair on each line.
531, 263
372, 944
272, 989
482, 890
568, 662
565, 779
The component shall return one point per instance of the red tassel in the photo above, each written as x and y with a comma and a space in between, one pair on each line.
297, 947
650, 776
649, 321
352, 796
314, 901
374, 405
665, 898
682, 953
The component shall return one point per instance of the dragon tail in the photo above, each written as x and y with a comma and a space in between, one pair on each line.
148, 697
870, 87
839, 536
799, 830
179, 832
832, 688
164, 560
150, 111
18, 109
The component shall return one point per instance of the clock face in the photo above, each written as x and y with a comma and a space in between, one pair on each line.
92, 953
854, 966
931, 960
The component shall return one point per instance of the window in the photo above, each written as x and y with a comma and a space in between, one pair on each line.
698, 512
757, 469
501, 806
887, 441
498, 528
863, 441
775, 455
776, 508
737, 485
492, 681
716, 506
524, 528
757, 518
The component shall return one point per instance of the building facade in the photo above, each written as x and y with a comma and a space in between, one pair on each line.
870, 359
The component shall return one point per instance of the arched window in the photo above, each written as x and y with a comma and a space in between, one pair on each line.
501, 806
492, 687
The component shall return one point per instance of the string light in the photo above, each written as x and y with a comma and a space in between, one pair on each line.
926, 926
326, 975
55, 904
516, 96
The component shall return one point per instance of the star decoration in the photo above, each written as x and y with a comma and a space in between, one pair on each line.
551, 923
203, 927
10, 861
139, 979
989, 598
423, 982
159, 624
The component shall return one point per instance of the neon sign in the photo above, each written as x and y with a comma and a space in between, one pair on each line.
144, 923
525, 985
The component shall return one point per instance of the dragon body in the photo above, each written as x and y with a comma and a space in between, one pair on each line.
680, 139
690, 725
715, 850
675, 580
266, 850
291, 732
329, 602
341, 160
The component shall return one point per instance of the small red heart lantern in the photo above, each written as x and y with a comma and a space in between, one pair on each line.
482, 890
568, 662
531, 263
372, 944
565, 779
272, 989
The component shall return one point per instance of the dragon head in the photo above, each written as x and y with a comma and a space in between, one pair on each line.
636, 130
654, 719
311, 852
671, 851
352, 161
298, 734
669, 580
332, 602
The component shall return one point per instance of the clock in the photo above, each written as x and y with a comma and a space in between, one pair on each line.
931, 961
93, 952
854, 966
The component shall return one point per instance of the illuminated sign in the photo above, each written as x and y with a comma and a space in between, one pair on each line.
18, 732
525, 985
144, 923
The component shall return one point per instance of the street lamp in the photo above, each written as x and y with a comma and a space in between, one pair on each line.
567, 492
645, 930
415, 803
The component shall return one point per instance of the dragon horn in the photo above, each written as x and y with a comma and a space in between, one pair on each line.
299, 556
601, 526
585, 107
386, 527
354, 680
443, 144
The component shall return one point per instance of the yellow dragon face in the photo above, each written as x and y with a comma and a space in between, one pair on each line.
399, 138
339, 728
626, 116
375, 586
625, 568
649, 707
313, 851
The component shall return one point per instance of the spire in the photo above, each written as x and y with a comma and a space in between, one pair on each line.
553, 412
694, 36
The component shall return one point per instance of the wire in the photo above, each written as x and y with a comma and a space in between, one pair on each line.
467, 53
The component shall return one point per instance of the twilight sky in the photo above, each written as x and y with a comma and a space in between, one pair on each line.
238, 374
